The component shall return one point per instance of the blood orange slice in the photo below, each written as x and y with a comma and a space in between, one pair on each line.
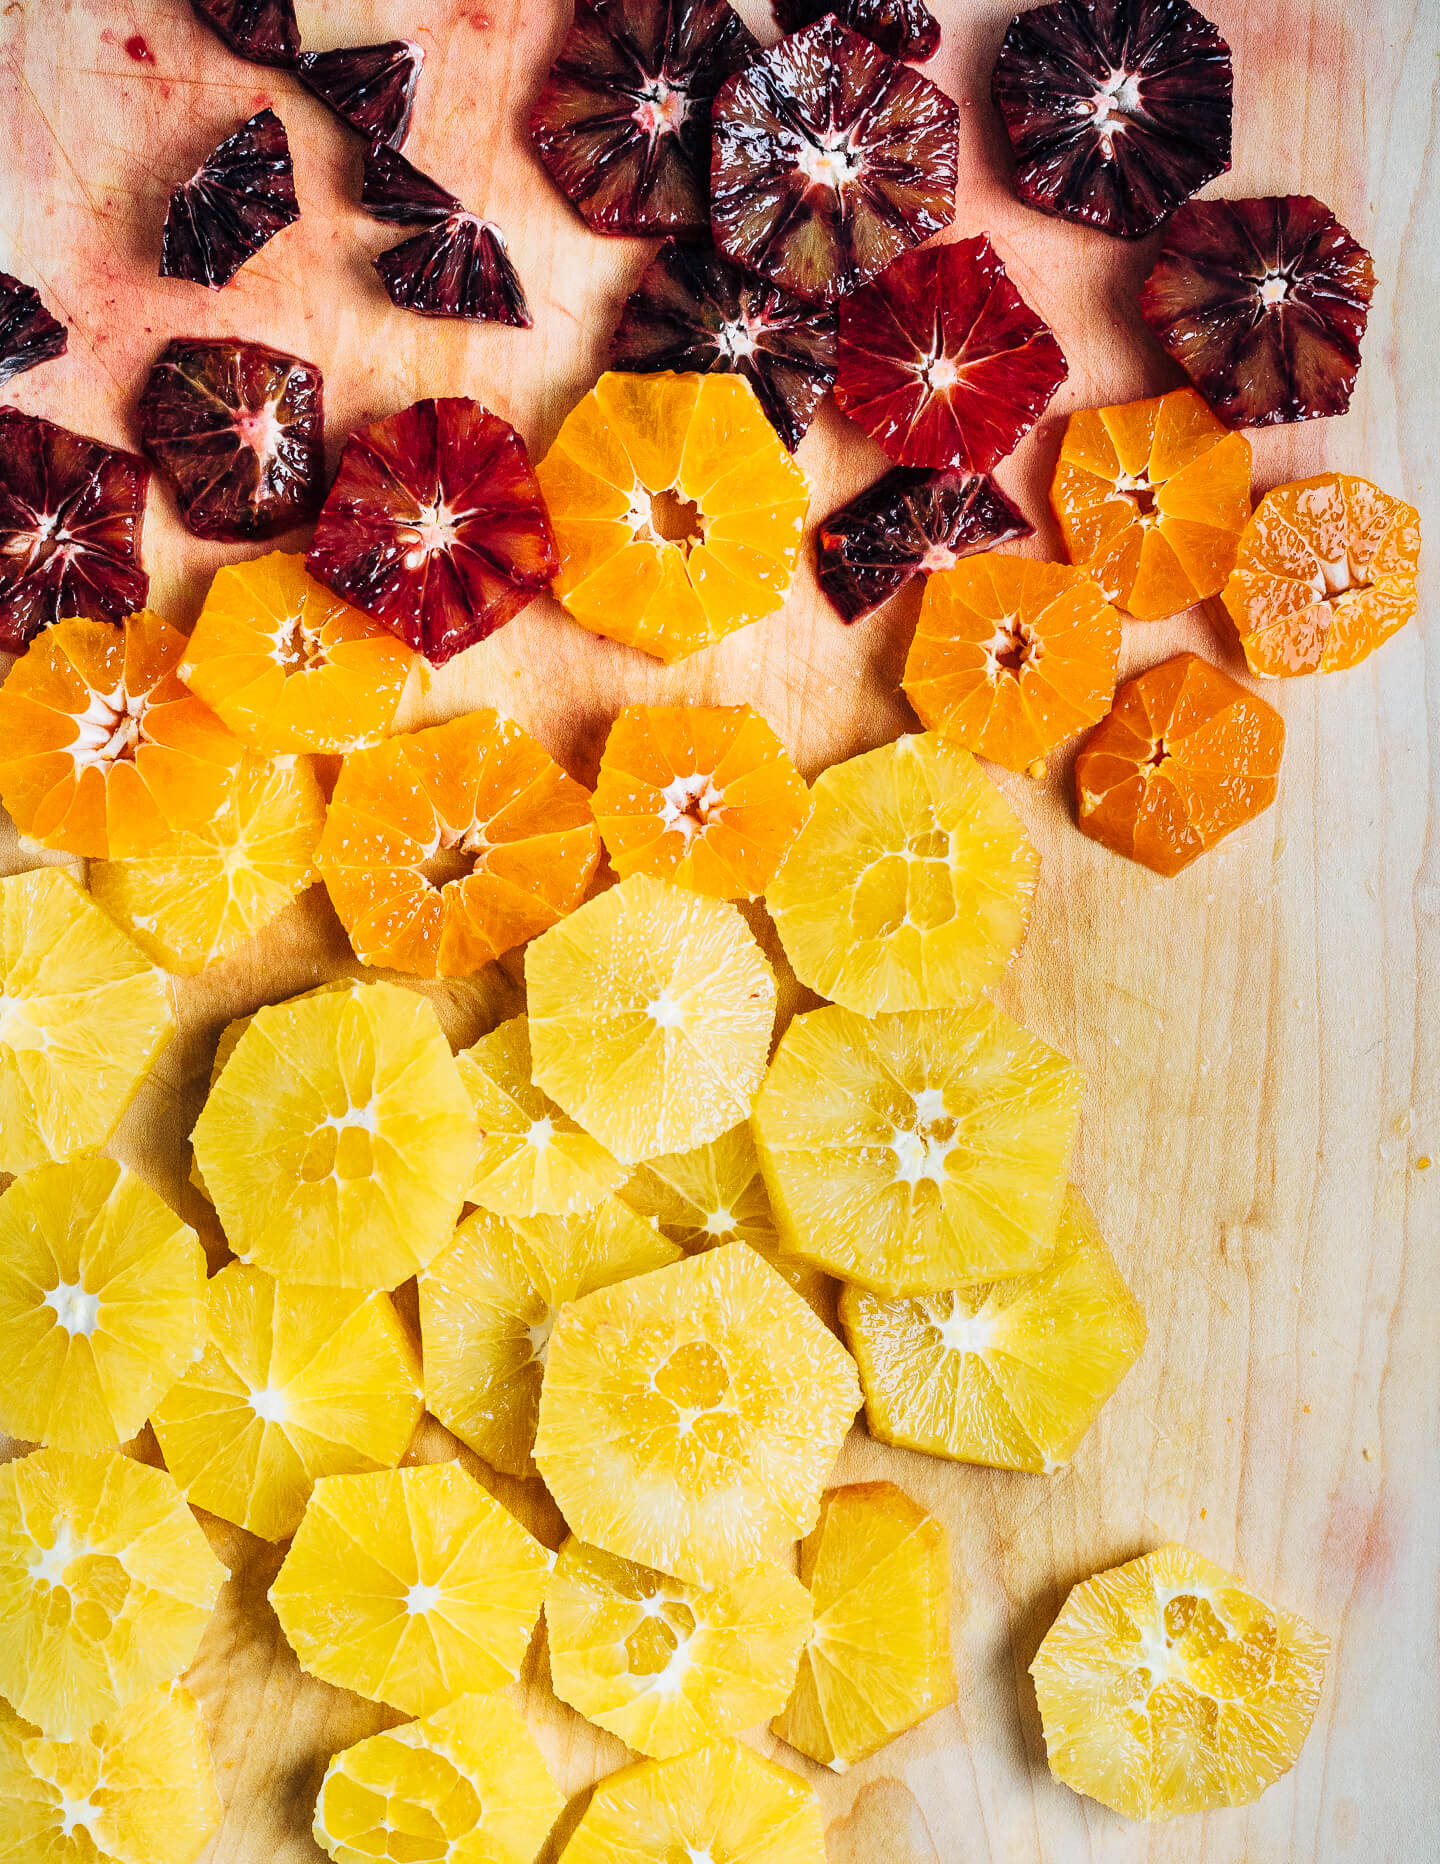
370, 87
238, 199
264, 31
29, 335
458, 267
903, 28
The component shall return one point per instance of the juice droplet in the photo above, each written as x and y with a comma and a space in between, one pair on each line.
139, 50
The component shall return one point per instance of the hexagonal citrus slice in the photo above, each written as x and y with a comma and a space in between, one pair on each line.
444, 848
294, 1383
677, 510
106, 1584
338, 1140
102, 1291
910, 886
410, 1586
1167, 1686
650, 1017
1010, 1373
488, 1304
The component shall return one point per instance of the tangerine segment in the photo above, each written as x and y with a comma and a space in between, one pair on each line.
910, 885
1009, 1373
705, 796
1010, 657
1151, 498
1326, 572
446, 847
290, 666
1167, 1686
677, 510
1186, 756
103, 750
689, 1416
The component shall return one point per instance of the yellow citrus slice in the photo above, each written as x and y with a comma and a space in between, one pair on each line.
1167, 1686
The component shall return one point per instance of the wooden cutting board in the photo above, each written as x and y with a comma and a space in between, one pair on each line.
1260, 1036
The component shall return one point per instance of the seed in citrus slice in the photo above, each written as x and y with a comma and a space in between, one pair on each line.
1186, 757
910, 885
294, 1383
1167, 1686
239, 198
1151, 498
650, 1017
444, 848
83, 1015
1011, 657
877, 1660
263, 31
666, 1666
677, 510
410, 1586
1010, 1373
370, 87
106, 1584
689, 1416
488, 1304
102, 1303
338, 1140
464, 1785
29, 335
1326, 572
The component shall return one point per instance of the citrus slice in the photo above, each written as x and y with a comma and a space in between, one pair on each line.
664, 1665
487, 1306
1151, 498
294, 1383
338, 1140
464, 1785
1326, 572
677, 510
721, 1801
446, 847
877, 1660
1167, 1686
1011, 657
705, 796
83, 1014
1010, 1373
106, 1584
533, 1159
102, 1292
103, 751
290, 666
919, 1151
410, 1586
910, 886
650, 1017
689, 1416
137, 1789
201, 893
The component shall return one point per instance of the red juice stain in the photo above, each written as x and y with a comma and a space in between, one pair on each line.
139, 50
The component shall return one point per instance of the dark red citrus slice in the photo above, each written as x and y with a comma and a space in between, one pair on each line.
393, 188
903, 28
458, 268
912, 521
622, 122
239, 197
1263, 304
1117, 110
830, 160
236, 431
435, 526
370, 87
71, 513
943, 362
695, 313
29, 335
264, 31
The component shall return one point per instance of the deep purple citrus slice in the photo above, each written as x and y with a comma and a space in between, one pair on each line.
457, 268
239, 197
830, 160
71, 513
1117, 110
370, 87
695, 312
236, 430
904, 28
943, 362
29, 335
435, 526
911, 522
393, 188
1263, 304
264, 31
622, 122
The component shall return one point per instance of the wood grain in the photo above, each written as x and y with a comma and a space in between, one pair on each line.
1261, 1036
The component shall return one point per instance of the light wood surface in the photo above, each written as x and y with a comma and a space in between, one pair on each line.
1260, 1036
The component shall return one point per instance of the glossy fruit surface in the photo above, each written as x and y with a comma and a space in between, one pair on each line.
29, 335
392, 188
903, 28
238, 199
370, 87
264, 31
460, 267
